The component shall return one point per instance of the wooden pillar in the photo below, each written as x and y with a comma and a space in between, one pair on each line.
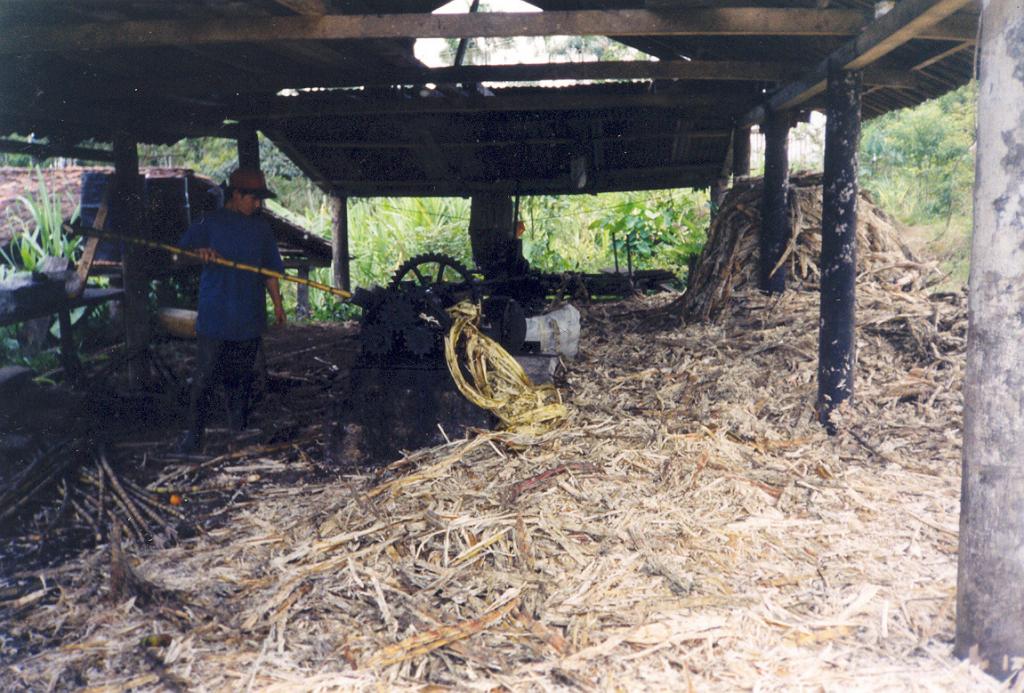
775, 224
492, 236
340, 257
302, 294
718, 190
126, 197
990, 598
249, 149
68, 353
836, 338
740, 152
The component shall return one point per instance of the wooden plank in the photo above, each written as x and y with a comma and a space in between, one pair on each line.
699, 175
744, 21
723, 70
93, 243
306, 7
939, 57
910, 19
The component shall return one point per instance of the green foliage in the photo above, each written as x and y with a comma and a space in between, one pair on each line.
44, 234
918, 162
652, 232
13, 353
585, 233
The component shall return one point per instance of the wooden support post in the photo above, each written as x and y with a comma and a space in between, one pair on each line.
68, 354
718, 190
836, 338
740, 152
248, 149
302, 294
127, 198
775, 224
492, 235
340, 258
990, 601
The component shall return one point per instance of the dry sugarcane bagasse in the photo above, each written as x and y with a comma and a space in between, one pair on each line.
690, 527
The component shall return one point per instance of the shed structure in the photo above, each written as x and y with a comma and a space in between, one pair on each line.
337, 87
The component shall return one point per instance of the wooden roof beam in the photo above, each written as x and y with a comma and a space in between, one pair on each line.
483, 144
285, 108
739, 21
908, 20
692, 70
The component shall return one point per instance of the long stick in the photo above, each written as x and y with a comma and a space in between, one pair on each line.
110, 236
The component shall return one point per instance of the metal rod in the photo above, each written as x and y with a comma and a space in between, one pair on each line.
110, 236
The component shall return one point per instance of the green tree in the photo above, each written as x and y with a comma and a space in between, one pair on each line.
919, 162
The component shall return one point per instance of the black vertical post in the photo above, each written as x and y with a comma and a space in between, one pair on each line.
740, 152
774, 208
248, 149
126, 197
836, 338
339, 245
491, 236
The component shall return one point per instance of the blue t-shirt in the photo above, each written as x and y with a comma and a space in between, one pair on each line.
232, 303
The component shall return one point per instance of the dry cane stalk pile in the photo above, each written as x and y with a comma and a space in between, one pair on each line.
690, 528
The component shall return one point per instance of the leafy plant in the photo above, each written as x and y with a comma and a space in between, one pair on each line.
42, 236
646, 232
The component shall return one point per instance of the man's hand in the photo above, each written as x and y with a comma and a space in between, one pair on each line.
274, 287
207, 254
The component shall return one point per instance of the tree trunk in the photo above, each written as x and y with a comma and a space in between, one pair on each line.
990, 585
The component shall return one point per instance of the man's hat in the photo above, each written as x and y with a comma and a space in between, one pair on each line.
250, 181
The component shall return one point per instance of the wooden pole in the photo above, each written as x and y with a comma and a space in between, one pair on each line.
302, 294
248, 148
718, 190
990, 598
127, 199
836, 338
741, 152
775, 224
340, 257
491, 234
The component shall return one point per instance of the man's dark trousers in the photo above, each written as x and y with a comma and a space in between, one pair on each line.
228, 362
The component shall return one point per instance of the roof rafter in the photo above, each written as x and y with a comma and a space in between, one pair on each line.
286, 108
908, 20
756, 21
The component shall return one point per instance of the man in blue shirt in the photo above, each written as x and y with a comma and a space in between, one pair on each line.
232, 303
